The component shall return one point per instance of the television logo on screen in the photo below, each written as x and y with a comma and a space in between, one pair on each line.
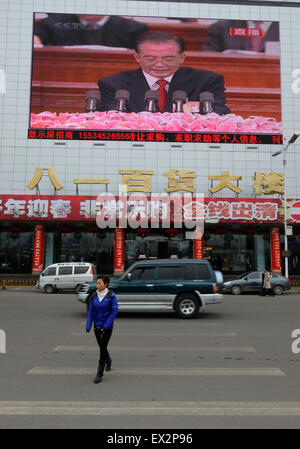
2, 82
2, 342
247, 32
76, 26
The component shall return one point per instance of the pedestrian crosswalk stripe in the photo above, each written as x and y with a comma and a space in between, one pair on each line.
170, 334
176, 408
151, 371
66, 348
122, 324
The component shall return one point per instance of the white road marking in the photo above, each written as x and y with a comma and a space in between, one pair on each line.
175, 408
150, 371
149, 334
66, 348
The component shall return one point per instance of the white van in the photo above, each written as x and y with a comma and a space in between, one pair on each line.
66, 276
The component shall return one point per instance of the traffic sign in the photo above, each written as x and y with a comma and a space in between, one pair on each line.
295, 211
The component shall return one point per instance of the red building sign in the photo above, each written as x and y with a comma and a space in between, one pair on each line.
38, 249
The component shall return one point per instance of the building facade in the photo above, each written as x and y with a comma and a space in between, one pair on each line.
51, 190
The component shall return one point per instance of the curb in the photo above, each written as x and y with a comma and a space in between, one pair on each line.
22, 288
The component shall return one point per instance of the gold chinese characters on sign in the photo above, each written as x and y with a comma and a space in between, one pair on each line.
271, 183
136, 180
225, 180
38, 176
179, 179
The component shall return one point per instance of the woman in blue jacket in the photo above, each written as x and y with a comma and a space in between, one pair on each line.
103, 309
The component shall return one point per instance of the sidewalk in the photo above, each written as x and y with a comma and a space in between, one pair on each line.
22, 288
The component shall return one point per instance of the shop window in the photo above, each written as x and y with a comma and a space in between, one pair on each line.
96, 248
16, 252
233, 255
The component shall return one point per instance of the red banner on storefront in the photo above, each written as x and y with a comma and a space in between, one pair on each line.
275, 250
115, 210
38, 249
119, 250
198, 248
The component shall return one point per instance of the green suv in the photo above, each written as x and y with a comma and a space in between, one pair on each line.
182, 285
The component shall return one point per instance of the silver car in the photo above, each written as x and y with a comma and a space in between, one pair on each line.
252, 283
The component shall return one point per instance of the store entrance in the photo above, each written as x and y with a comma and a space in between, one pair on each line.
230, 253
163, 250
155, 245
96, 248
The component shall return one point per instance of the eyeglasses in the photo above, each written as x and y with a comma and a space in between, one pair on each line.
164, 59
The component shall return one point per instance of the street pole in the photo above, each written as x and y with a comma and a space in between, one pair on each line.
286, 259
284, 151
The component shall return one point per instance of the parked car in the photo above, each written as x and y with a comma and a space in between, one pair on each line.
66, 276
182, 285
252, 282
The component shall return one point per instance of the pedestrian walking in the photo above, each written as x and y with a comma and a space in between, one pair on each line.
266, 283
103, 309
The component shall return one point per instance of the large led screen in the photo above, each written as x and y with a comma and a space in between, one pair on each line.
151, 79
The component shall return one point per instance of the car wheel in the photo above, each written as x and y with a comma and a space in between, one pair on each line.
236, 290
278, 289
49, 289
187, 306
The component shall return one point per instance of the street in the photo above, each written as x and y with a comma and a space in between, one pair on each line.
232, 367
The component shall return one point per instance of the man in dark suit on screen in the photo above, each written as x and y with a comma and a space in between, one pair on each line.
71, 29
160, 56
220, 36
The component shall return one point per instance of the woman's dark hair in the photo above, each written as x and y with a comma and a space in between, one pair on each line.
105, 279
158, 37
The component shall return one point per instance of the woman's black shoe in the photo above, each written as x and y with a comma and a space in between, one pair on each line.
99, 374
108, 365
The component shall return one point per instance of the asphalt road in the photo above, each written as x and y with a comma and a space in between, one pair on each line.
233, 367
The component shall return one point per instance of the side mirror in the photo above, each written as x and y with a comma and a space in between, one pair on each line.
128, 277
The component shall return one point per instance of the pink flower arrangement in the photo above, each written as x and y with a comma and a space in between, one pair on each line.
146, 121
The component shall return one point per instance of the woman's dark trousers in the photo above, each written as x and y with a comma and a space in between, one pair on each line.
102, 340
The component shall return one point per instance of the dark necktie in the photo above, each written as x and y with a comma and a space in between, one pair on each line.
256, 40
162, 94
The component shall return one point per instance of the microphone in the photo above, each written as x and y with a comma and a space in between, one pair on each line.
206, 102
92, 100
151, 99
179, 98
121, 97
